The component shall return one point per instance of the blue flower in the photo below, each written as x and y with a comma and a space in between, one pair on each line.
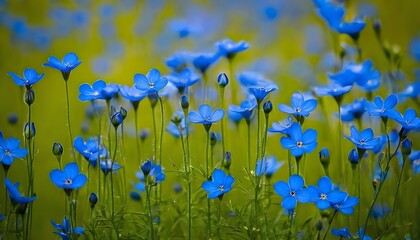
183, 79
412, 90
299, 143
354, 110
291, 191
300, 106
206, 116
409, 120
235, 117
178, 61
219, 185
249, 79
109, 91
203, 61
69, 178
88, 93
132, 94
245, 109
1, 217
346, 206
415, 161
65, 229
380, 211
108, 165
415, 48
70, 61
334, 90
14, 194
268, 166
363, 140
229, 48
173, 129
282, 126
153, 82
90, 149
261, 92
342, 233
9, 150
362, 74
324, 196
30, 77
157, 174
382, 108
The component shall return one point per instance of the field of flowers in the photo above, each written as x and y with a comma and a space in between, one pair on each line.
209, 119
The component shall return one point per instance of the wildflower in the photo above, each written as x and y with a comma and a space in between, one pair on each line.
354, 110
324, 157
408, 121
57, 149
178, 61
246, 108
335, 90
69, 178
206, 116
93, 199
88, 93
382, 108
184, 79
363, 140
9, 150
219, 185
30, 77
380, 211
152, 82
116, 119
109, 91
108, 166
362, 74
29, 130
282, 126
65, 230
291, 191
300, 106
261, 92
268, 166
323, 195
14, 194
299, 143
249, 79
70, 61
346, 206
415, 161
342, 233
90, 150
203, 61
229, 48
146, 167
235, 117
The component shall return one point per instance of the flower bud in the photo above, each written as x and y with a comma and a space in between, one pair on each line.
135, 196
29, 131
222, 80
29, 97
184, 102
116, 119
13, 118
353, 157
57, 149
228, 160
146, 167
213, 139
406, 146
144, 134
123, 112
177, 188
177, 118
93, 199
153, 99
267, 107
324, 157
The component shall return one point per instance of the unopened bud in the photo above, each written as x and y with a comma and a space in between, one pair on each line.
57, 149
222, 80
406, 146
93, 199
29, 97
29, 131
184, 102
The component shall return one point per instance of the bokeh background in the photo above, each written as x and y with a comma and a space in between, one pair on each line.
289, 42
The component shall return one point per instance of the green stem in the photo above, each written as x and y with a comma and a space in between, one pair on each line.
111, 172
340, 147
329, 224
188, 172
137, 136
149, 204
248, 125
154, 136
222, 94
207, 177
69, 122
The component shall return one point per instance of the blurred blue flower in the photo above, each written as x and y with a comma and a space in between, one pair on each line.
133, 95
229, 48
30, 77
9, 150
382, 108
268, 166
69, 178
342, 233
90, 149
323, 195
202, 61
261, 92
333, 90
219, 185
135, 195
300, 106
415, 161
291, 191
415, 48
235, 117
249, 79
363, 140
65, 229
380, 211
150, 83
183, 79
354, 110
80, 18
362, 74
109, 91
88, 93
246, 108
108, 165
178, 61
412, 90
299, 143
70, 61
1, 217
282, 126
206, 116
14, 194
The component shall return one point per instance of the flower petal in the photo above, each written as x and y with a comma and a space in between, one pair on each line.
282, 188
296, 182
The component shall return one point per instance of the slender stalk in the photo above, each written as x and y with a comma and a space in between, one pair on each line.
68, 120
234, 87
329, 225
341, 164
137, 136
359, 179
248, 125
149, 204
162, 120
154, 135
188, 173
222, 96
289, 161
207, 177
112, 180
204, 86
